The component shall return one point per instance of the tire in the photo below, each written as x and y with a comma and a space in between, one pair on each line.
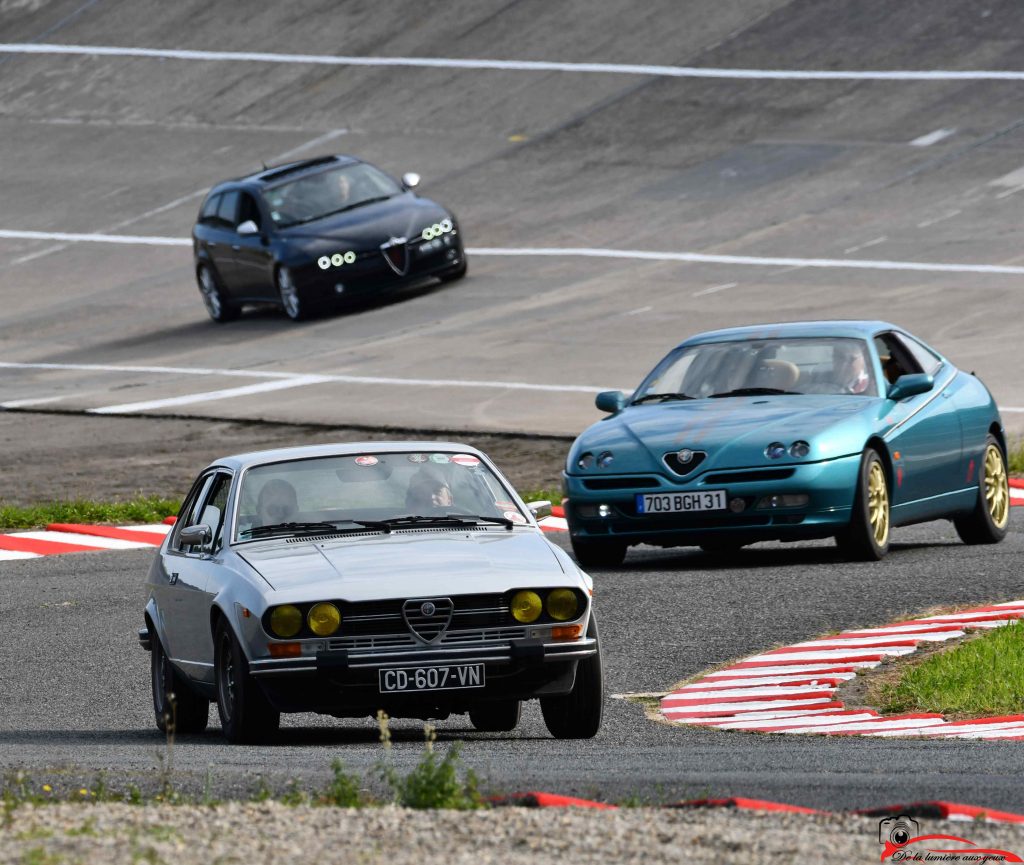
598, 552
295, 306
578, 714
497, 717
245, 713
176, 707
218, 307
987, 523
866, 539
456, 273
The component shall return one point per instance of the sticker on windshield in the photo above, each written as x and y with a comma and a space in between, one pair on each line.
366, 461
515, 516
465, 460
418, 458
440, 458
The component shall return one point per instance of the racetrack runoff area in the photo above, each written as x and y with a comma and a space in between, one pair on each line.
612, 214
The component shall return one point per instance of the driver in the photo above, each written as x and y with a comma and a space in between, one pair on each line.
849, 368
428, 494
277, 503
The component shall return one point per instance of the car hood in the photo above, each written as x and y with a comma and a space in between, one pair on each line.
407, 564
733, 431
404, 215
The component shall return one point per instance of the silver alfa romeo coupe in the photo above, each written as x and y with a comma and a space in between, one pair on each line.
345, 579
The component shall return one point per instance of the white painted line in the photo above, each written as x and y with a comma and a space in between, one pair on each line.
843, 641
749, 716
520, 65
681, 698
1010, 192
588, 252
720, 685
85, 540
831, 721
1012, 409
210, 396
157, 529
785, 670
939, 219
932, 138
866, 244
739, 708
833, 655
9, 555
864, 726
24, 403
715, 288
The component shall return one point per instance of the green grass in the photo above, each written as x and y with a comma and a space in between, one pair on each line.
1017, 458
553, 496
142, 509
983, 676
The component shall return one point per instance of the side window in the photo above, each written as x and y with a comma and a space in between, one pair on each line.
214, 509
248, 209
228, 208
208, 212
896, 359
928, 362
188, 514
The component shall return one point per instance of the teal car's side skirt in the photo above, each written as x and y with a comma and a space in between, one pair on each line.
934, 507
828, 486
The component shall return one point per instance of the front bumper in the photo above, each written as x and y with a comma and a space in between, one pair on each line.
829, 485
345, 683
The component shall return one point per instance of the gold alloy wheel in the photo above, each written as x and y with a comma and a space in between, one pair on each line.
878, 504
997, 488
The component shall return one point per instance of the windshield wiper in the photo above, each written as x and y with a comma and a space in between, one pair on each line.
661, 397
448, 519
335, 212
312, 528
755, 391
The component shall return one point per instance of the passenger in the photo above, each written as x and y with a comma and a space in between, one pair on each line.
849, 368
277, 503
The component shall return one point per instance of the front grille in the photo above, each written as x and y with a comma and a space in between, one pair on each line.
749, 476
620, 483
453, 637
384, 618
428, 618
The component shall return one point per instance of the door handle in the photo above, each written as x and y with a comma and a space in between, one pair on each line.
174, 578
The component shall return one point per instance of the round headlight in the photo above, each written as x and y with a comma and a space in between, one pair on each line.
286, 621
324, 619
562, 605
585, 461
774, 451
605, 459
526, 607
799, 449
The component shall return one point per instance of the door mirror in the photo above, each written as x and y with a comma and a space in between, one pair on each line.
248, 228
910, 385
410, 180
192, 536
611, 400
539, 509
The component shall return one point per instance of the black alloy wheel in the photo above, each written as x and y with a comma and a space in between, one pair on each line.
176, 707
246, 715
218, 307
578, 714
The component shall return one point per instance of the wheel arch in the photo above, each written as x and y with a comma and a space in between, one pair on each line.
878, 444
996, 430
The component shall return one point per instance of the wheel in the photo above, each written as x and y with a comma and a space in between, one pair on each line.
176, 707
867, 537
455, 273
598, 552
498, 717
219, 308
578, 714
294, 305
245, 713
987, 523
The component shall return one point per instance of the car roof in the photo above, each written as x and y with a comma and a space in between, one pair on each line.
854, 328
277, 455
268, 175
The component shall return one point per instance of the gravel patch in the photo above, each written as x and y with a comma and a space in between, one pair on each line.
115, 833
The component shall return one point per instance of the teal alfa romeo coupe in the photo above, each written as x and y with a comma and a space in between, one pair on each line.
787, 432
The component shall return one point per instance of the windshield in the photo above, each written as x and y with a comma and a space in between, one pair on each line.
805, 365
369, 488
315, 196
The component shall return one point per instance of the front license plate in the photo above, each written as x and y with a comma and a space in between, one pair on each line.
431, 678
674, 503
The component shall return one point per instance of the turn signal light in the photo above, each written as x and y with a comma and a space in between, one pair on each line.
285, 650
566, 632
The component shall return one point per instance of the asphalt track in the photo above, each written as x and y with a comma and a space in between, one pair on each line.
884, 170
74, 685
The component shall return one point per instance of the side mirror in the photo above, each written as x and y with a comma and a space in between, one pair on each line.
192, 536
410, 180
910, 385
611, 401
539, 509
248, 228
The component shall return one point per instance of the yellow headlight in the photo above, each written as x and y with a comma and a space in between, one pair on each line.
526, 607
562, 605
324, 619
286, 621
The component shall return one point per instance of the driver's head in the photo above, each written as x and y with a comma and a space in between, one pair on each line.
277, 503
848, 361
428, 493
343, 186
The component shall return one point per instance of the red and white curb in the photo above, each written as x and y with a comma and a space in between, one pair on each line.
75, 538
792, 689
933, 810
1017, 491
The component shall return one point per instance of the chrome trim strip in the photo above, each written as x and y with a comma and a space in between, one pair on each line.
939, 388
